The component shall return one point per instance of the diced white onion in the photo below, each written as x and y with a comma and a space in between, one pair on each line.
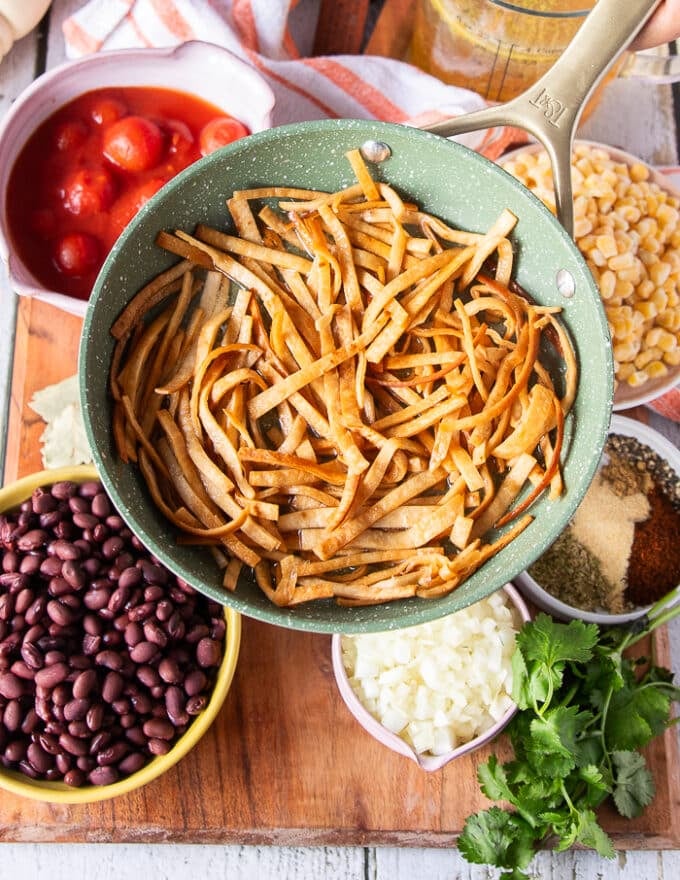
440, 684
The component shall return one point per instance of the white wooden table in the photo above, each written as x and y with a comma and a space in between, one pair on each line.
636, 117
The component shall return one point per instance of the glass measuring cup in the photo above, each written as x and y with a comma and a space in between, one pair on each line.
499, 48
551, 108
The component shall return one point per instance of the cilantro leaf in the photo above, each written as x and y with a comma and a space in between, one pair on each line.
603, 675
553, 748
497, 837
597, 785
546, 641
633, 783
494, 782
636, 715
590, 833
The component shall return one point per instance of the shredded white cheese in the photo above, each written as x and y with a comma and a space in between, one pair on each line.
437, 685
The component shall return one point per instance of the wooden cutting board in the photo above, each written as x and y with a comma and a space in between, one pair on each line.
285, 762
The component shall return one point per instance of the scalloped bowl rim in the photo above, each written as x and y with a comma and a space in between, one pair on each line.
393, 741
60, 793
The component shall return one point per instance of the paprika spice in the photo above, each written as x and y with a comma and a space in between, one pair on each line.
654, 564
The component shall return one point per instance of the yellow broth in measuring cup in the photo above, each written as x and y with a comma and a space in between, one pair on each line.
497, 49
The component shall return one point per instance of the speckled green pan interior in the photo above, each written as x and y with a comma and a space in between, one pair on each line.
445, 179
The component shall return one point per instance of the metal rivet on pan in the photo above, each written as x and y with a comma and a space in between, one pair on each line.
565, 283
375, 151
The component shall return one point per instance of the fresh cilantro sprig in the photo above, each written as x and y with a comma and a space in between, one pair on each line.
584, 712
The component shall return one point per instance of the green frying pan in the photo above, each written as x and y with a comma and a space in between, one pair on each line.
447, 180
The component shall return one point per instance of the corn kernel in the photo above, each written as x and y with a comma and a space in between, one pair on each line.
652, 336
625, 351
623, 371
607, 283
651, 243
638, 378
667, 215
582, 226
656, 369
645, 289
660, 299
596, 256
621, 261
607, 246
638, 172
624, 289
647, 309
666, 341
642, 358
659, 272
672, 358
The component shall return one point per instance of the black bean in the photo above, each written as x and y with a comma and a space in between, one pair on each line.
132, 763
32, 540
32, 655
175, 703
11, 686
42, 501
158, 728
30, 564
158, 746
169, 670
50, 676
64, 489
39, 759
113, 754
13, 715
103, 775
74, 777
143, 652
208, 653
76, 710
195, 705
84, 684
112, 687
73, 744
74, 574
195, 682
95, 716
22, 670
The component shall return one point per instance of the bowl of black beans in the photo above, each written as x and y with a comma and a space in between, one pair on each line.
111, 667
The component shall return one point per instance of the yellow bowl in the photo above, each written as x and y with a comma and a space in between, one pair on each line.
57, 792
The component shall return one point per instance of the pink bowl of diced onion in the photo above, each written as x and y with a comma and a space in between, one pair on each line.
438, 690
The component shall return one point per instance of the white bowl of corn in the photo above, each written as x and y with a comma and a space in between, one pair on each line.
627, 226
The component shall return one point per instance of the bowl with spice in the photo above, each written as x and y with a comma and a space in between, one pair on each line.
621, 550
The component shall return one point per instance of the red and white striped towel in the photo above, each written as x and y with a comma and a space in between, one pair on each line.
306, 87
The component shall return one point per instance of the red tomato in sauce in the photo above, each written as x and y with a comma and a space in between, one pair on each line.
127, 205
133, 143
70, 135
107, 111
180, 138
88, 191
87, 169
220, 132
77, 253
